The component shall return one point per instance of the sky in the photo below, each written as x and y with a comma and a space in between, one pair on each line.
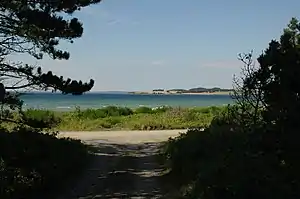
131, 45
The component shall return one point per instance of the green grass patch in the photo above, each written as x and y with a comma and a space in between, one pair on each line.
122, 118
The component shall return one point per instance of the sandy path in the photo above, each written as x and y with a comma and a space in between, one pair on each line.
123, 137
124, 165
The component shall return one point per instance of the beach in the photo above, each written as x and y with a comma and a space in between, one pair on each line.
124, 166
123, 137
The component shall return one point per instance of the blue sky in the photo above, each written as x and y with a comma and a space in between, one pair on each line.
146, 44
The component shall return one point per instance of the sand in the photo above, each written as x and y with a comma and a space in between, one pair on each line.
123, 137
124, 165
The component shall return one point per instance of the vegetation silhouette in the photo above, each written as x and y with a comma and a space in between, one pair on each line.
251, 150
34, 164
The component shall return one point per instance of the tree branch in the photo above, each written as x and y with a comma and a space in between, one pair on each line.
19, 87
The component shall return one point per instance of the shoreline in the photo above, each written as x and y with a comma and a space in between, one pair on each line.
213, 93
189, 93
133, 108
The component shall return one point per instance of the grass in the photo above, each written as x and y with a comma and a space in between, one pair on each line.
122, 118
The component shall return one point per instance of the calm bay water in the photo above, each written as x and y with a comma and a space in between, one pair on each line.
56, 101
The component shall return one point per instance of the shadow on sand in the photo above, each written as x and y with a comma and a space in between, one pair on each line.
120, 171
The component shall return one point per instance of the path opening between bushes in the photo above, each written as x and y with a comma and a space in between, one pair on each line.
125, 165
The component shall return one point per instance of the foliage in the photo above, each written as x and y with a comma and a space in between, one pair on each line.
37, 163
251, 149
32, 163
226, 161
125, 118
209, 163
142, 118
41, 118
35, 28
143, 109
173, 118
101, 113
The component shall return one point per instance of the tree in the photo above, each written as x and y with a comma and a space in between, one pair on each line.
276, 79
275, 86
248, 99
35, 27
251, 150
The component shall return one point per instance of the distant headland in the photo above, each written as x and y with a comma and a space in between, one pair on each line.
199, 91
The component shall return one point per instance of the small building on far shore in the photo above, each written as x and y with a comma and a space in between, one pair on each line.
158, 91
164, 91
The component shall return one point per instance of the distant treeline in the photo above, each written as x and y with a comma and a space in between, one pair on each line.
196, 90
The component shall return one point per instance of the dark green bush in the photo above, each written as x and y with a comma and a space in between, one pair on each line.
233, 160
34, 165
112, 111
101, 113
143, 109
214, 110
41, 118
117, 111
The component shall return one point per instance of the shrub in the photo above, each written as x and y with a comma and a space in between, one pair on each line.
37, 163
232, 160
117, 111
41, 118
143, 109
101, 113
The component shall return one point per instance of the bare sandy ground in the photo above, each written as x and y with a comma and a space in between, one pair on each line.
124, 137
124, 166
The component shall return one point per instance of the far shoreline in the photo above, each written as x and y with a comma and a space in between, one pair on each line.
188, 93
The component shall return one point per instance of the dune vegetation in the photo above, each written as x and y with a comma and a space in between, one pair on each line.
251, 149
122, 118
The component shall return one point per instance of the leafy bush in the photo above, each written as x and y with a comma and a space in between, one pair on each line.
37, 163
117, 111
143, 118
143, 109
214, 110
224, 163
187, 152
101, 113
175, 118
219, 162
41, 118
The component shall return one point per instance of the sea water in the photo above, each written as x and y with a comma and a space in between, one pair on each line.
57, 101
